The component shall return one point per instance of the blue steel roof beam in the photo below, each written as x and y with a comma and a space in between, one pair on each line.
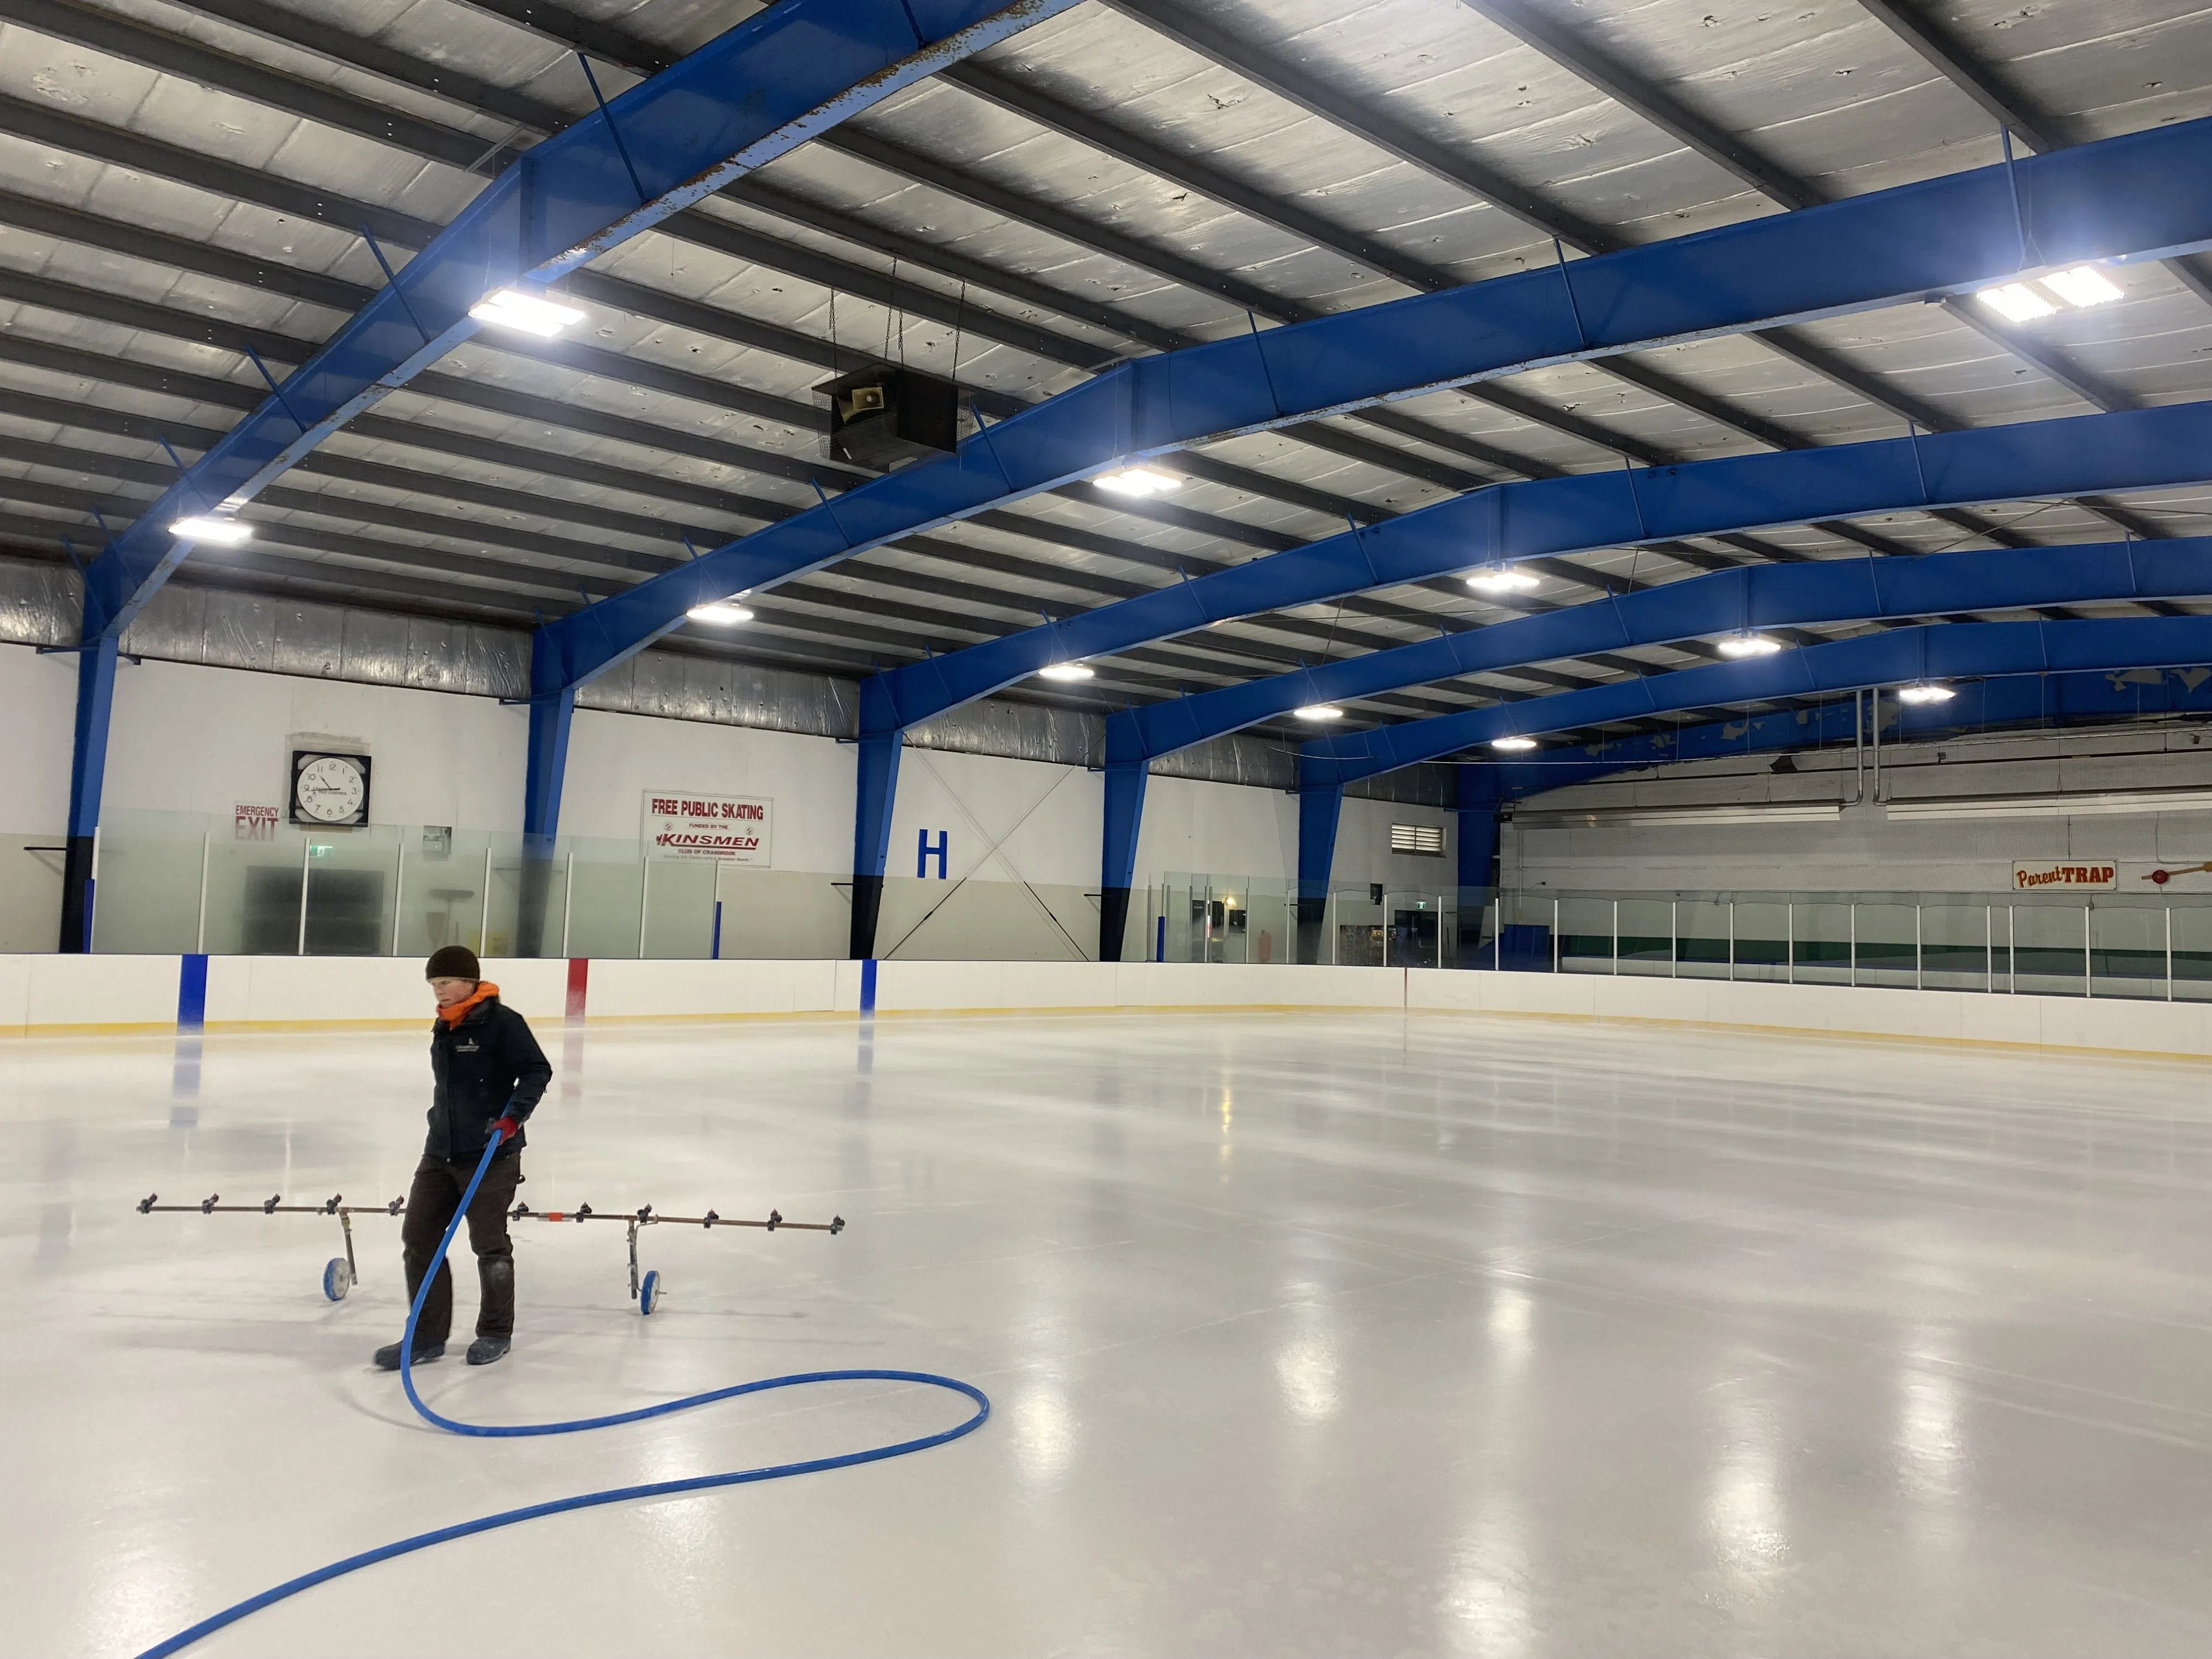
1935, 651
714, 233
1174, 267
2042, 131
2158, 448
755, 92
1755, 598
2042, 701
537, 117
2093, 201
1292, 82
128, 150
327, 291
531, 119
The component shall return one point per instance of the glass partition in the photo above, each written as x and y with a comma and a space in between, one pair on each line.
1762, 930
1586, 934
177, 882
1705, 931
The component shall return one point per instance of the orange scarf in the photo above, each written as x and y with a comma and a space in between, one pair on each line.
453, 1013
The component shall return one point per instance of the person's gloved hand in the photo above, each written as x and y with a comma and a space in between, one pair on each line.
506, 1128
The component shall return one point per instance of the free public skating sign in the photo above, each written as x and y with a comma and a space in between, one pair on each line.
682, 823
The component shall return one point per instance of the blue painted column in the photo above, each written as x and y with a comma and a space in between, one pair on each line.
1480, 793
1320, 806
871, 835
550, 718
95, 705
1125, 815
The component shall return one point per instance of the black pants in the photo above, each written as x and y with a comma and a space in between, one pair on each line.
431, 1202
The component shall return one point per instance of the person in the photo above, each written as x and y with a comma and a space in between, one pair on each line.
489, 1074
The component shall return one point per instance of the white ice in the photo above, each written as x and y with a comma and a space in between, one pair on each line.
1364, 1335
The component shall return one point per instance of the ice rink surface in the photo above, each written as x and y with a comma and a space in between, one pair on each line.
1361, 1335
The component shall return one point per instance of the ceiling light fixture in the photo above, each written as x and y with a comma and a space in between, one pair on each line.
224, 533
1749, 644
2016, 302
1319, 711
1925, 691
1138, 481
721, 611
1067, 670
1513, 745
2084, 285
1501, 579
533, 313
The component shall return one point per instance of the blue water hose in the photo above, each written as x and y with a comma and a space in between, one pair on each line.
422, 1541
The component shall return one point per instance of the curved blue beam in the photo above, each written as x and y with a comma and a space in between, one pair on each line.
1933, 651
755, 92
1727, 601
2134, 197
2140, 449
2061, 700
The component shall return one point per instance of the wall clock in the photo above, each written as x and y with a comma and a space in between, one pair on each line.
328, 791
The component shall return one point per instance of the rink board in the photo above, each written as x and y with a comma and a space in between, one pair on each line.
94, 995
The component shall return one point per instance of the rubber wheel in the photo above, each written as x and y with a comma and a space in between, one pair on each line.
648, 1292
337, 1279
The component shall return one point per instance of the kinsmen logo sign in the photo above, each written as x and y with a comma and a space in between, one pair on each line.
2094, 875
683, 825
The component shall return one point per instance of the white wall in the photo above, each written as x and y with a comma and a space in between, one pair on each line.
38, 705
186, 738
1364, 854
1866, 850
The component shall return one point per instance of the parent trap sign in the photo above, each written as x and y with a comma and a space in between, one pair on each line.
679, 824
2092, 875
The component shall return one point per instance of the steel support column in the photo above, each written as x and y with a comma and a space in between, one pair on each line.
96, 704
1125, 812
1319, 811
550, 720
1481, 791
871, 836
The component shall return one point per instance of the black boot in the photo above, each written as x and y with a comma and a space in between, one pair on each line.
485, 1349
387, 1357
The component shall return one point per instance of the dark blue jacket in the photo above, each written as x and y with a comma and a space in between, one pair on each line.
487, 1068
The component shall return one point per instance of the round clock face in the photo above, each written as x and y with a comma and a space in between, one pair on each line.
330, 789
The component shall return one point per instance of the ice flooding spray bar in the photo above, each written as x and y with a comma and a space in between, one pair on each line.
340, 1276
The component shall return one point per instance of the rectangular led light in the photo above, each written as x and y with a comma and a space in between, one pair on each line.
2016, 302
2053, 807
224, 533
1656, 818
1138, 481
533, 313
2084, 285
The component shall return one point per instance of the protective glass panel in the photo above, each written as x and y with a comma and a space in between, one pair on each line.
1701, 928
1647, 936
1762, 939
2050, 950
1585, 935
2127, 951
1887, 951
1956, 947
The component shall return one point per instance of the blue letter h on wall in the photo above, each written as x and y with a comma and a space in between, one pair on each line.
922, 858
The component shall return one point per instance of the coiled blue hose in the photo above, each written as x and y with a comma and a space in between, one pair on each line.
423, 1541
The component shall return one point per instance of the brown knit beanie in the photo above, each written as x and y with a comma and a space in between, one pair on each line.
452, 962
